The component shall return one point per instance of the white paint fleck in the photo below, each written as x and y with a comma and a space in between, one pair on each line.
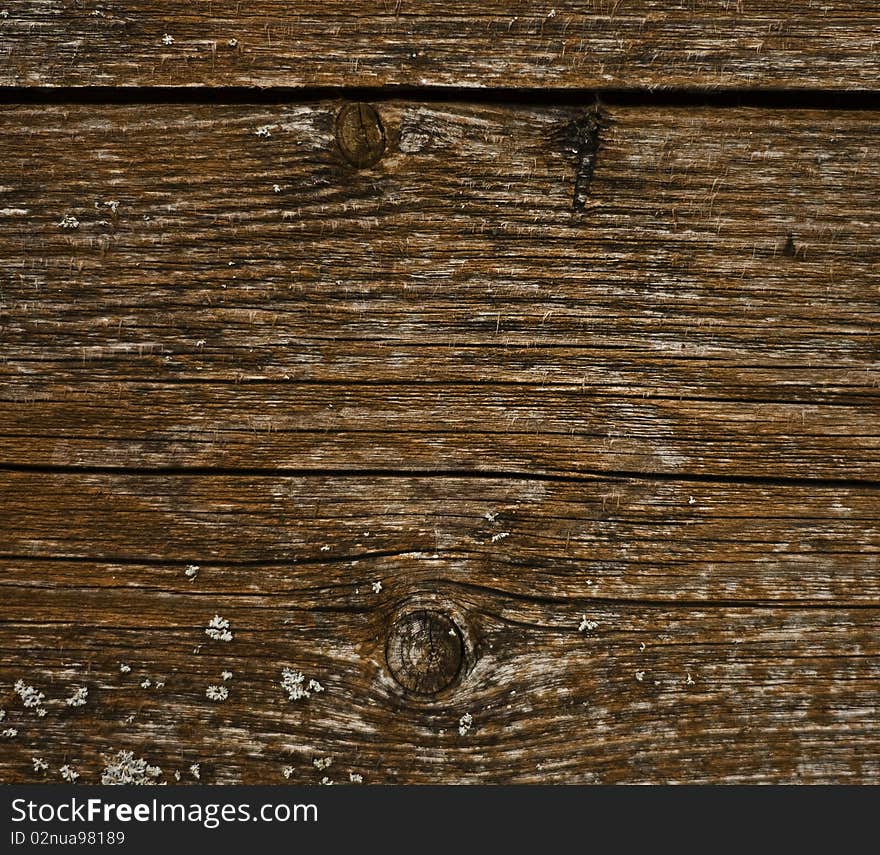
226, 675
123, 668
192, 570
9, 733
377, 587
465, 723
322, 763
40, 765
167, 40
640, 676
69, 222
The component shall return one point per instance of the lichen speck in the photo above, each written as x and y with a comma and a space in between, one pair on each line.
294, 683
79, 697
125, 768
218, 629
217, 693
465, 723
587, 625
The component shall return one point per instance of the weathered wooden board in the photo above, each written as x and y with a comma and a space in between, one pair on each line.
578, 381
733, 635
698, 298
567, 43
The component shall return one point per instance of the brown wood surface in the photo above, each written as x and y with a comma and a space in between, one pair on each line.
597, 385
648, 44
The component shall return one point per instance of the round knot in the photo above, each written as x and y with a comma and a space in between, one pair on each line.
424, 651
360, 135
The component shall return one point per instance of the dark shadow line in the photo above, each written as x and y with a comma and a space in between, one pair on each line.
763, 98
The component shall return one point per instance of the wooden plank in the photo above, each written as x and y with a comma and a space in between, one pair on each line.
747, 618
215, 286
571, 43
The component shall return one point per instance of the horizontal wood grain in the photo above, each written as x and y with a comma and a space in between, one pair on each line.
746, 618
237, 300
569, 43
598, 386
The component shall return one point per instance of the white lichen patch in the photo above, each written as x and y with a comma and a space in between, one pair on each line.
69, 222
264, 131
640, 676
2, 714
218, 629
79, 697
500, 536
124, 669
195, 771
226, 675
377, 587
355, 778
287, 771
294, 683
167, 40
146, 683
68, 773
125, 768
217, 693
30, 697
465, 723
322, 763
40, 765
587, 625
688, 680
192, 570
9, 733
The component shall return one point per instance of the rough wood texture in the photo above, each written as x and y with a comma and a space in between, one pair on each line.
756, 606
715, 44
576, 380
224, 298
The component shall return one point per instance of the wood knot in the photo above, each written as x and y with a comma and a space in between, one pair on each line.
425, 651
360, 135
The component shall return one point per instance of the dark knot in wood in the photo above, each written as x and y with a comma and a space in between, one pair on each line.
424, 651
360, 135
